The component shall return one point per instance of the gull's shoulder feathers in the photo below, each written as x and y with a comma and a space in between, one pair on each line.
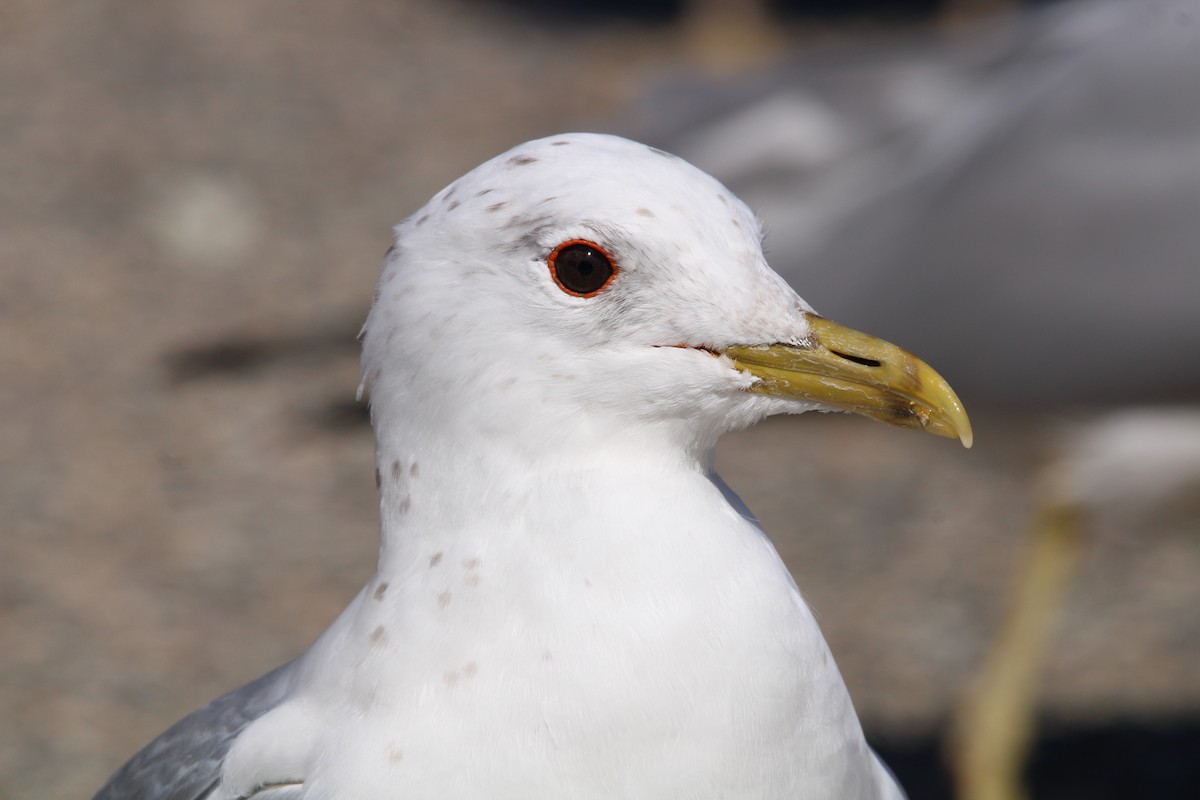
184, 762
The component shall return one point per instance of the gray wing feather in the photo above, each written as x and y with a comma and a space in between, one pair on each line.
184, 762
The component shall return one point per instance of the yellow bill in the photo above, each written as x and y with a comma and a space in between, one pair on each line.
851, 371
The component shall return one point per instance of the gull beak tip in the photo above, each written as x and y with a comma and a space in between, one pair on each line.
965, 434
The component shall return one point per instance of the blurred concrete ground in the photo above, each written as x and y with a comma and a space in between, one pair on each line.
194, 202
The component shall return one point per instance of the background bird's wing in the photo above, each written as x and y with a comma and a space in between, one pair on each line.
184, 762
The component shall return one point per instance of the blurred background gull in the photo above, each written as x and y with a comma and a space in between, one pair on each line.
195, 201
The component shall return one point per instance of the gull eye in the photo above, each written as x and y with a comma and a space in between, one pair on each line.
581, 268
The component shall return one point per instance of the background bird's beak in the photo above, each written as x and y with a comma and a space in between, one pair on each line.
851, 371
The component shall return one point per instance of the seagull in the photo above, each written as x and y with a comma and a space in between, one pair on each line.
569, 601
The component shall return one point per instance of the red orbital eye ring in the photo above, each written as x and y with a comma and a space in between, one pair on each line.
581, 268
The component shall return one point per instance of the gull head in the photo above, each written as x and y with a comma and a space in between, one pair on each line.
586, 288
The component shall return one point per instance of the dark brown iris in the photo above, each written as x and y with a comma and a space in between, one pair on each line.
581, 268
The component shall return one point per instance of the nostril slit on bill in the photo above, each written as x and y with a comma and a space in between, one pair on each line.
866, 362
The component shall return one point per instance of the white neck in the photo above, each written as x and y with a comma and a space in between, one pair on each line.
480, 468
470, 474
594, 595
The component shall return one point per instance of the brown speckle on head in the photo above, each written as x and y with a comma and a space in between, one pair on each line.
378, 480
482, 192
645, 212
658, 152
547, 656
724, 200
521, 160
396, 471
395, 756
414, 470
378, 637
736, 224
380, 591
471, 580
453, 205
434, 560
455, 676
497, 206
405, 505
443, 599
421, 220
530, 230
471, 563
559, 143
